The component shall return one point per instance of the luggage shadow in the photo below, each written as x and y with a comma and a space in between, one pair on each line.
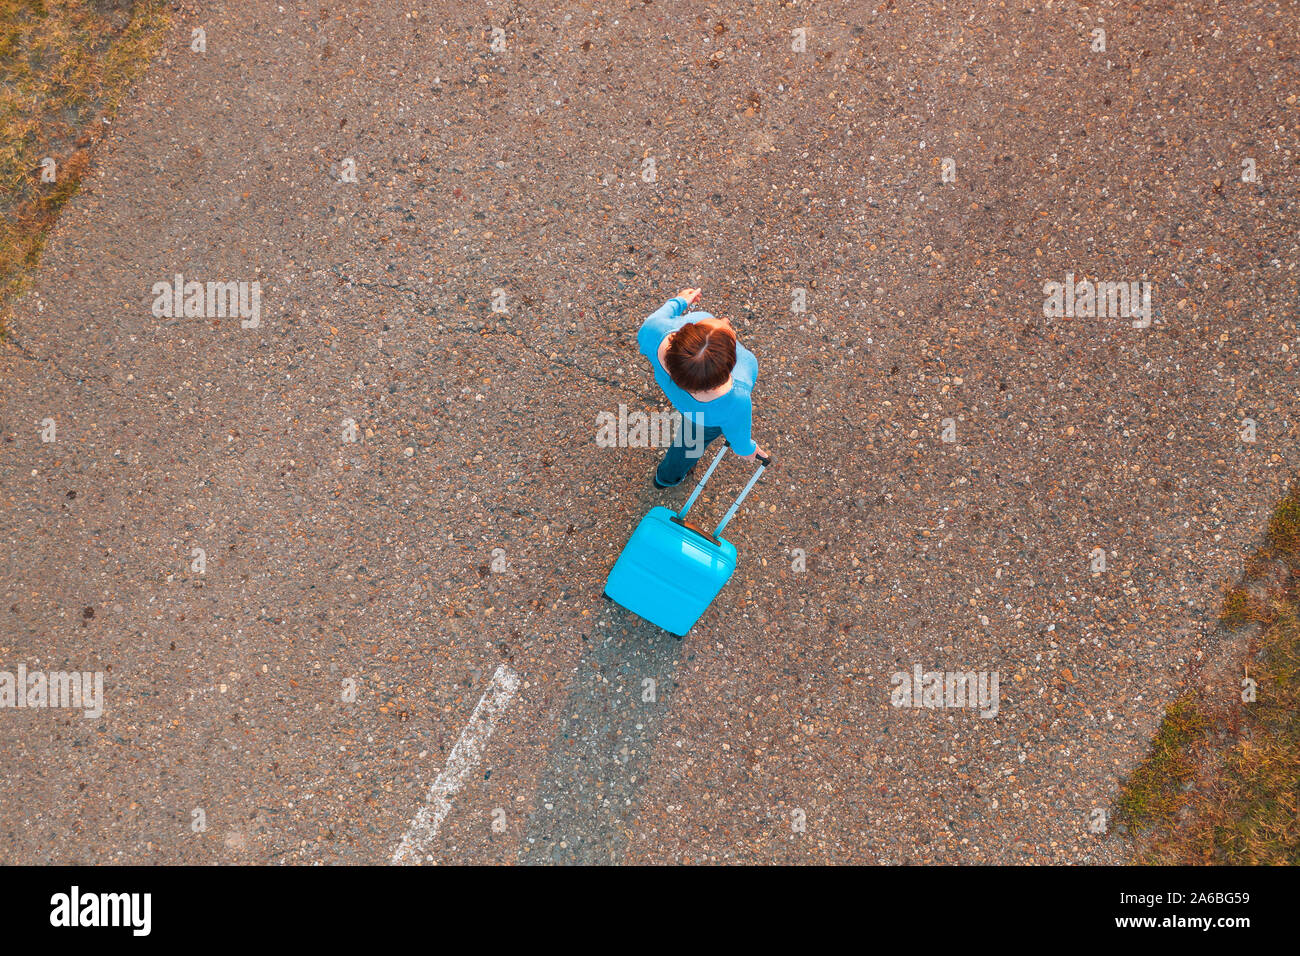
587, 798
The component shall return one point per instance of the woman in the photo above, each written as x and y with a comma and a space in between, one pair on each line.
708, 377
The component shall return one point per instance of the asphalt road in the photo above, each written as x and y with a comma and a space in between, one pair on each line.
768, 734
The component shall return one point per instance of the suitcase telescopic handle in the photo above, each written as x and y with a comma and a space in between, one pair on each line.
700, 487
764, 462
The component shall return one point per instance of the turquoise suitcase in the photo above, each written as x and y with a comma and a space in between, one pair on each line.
671, 570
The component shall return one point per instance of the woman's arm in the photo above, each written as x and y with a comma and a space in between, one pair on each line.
660, 322
737, 431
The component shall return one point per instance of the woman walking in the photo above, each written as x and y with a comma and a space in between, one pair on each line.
707, 375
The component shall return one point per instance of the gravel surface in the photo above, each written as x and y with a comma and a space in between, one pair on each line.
769, 735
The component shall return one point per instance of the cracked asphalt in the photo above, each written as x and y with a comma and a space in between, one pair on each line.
530, 182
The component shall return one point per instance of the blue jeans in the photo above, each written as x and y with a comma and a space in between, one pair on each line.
689, 444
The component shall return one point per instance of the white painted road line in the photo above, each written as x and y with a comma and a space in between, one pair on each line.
464, 758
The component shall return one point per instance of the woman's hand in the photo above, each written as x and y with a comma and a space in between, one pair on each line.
690, 295
758, 450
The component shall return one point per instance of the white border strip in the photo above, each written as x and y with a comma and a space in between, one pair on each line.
464, 758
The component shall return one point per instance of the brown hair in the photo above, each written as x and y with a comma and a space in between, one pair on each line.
700, 357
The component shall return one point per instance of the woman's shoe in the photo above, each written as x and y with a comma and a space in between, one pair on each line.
660, 484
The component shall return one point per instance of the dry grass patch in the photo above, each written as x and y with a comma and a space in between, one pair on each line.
64, 66
1222, 782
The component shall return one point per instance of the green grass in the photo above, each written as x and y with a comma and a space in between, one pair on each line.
64, 65
1221, 785
1155, 791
